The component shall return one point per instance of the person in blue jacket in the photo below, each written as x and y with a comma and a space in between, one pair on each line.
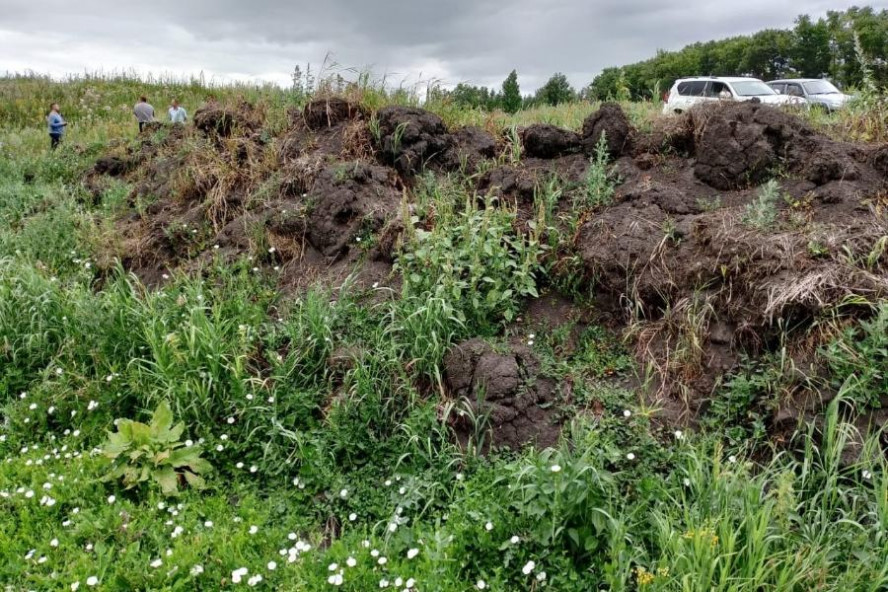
56, 126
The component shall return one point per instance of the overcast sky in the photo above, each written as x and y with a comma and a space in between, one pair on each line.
476, 41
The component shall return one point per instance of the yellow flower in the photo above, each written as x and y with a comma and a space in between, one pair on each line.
643, 577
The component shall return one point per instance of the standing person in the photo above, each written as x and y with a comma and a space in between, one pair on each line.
177, 113
56, 126
144, 112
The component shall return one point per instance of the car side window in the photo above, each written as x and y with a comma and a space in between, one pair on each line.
692, 88
794, 90
781, 88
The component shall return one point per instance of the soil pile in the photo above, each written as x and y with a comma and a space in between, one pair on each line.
706, 268
697, 264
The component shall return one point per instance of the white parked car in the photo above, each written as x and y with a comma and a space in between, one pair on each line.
687, 92
817, 92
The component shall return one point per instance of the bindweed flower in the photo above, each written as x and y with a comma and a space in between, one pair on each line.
238, 574
555, 468
111, 499
679, 435
156, 563
627, 413
92, 581
515, 540
412, 553
335, 580
352, 517
351, 562
481, 584
488, 527
197, 570
271, 566
528, 567
630, 456
254, 529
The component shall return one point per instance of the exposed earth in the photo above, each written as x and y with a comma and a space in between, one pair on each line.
672, 265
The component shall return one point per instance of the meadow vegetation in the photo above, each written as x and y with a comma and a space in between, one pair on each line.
215, 432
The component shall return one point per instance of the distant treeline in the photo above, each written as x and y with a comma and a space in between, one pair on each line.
849, 47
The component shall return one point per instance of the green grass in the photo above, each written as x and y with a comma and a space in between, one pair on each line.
323, 417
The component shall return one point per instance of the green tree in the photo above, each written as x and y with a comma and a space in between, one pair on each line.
811, 55
511, 101
556, 90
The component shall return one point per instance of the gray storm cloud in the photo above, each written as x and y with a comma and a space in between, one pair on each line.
477, 41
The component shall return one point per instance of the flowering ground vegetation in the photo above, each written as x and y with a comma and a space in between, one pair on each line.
195, 435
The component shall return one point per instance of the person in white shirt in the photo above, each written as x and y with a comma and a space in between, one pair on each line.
177, 113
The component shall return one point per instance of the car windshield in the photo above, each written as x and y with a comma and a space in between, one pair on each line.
752, 88
821, 87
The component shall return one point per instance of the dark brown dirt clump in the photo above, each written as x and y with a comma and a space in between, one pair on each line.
226, 120
610, 121
548, 141
328, 112
504, 394
411, 139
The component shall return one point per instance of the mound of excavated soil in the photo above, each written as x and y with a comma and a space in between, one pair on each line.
675, 257
678, 247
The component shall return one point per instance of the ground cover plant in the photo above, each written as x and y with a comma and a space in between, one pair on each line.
319, 342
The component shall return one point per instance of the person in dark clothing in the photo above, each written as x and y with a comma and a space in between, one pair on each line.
56, 126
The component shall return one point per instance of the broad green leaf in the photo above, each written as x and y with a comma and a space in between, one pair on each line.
162, 418
141, 434
201, 466
196, 481
168, 480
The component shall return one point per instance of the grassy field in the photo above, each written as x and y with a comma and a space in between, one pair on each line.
313, 480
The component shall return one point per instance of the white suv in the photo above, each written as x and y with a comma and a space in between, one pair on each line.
687, 92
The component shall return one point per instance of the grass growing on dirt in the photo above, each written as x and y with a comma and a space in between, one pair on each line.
334, 466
